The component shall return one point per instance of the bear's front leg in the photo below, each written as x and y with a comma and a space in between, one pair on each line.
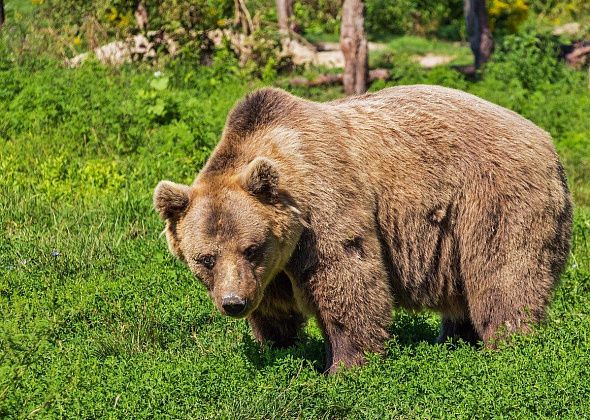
277, 320
342, 350
353, 307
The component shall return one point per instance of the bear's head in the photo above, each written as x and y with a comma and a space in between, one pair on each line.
235, 232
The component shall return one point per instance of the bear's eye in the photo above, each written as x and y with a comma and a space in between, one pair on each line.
207, 261
252, 252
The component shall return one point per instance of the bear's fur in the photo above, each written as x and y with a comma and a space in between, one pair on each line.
417, 196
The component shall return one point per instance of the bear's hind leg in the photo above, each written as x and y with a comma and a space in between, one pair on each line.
277, 320
497, 312
511, 254
457, 329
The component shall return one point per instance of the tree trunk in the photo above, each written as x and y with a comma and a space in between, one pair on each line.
285, 16
478, 30
1, 13
353, 43
336, 79
141, 16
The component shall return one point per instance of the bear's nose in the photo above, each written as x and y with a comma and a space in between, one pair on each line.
233, 305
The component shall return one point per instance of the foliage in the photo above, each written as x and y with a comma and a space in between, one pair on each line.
562, 11
507, 15
420, 17
91, 23
537, 58
86, 25
117, 15
318, 17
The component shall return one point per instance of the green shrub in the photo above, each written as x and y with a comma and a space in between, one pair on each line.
506, 16
318, 17
117, 15
420, 17
528, 60
562, 11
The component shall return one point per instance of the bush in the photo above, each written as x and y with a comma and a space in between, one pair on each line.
93, 21
117, 15
318, 17
561, 11
506, 16
420, 17
527, 60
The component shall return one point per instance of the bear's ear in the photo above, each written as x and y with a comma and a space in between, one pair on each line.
261, 179
171, 199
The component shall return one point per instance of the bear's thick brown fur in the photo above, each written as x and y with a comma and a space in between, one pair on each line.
417, 196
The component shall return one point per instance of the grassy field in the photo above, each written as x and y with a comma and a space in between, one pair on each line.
98, 320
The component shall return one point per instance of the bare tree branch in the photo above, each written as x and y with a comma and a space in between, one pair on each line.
242, 16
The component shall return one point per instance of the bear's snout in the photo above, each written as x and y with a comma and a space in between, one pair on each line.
233, 305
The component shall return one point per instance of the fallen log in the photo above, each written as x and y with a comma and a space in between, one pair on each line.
336, 79
579, 56
135, 48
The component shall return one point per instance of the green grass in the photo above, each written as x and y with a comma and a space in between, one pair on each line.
22, 7
414, 45
98, 320
408, 48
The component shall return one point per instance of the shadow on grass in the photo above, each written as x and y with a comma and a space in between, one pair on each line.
310, 349
410, 330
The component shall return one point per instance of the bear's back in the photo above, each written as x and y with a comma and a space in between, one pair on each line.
431, 134
438, 114
436, 136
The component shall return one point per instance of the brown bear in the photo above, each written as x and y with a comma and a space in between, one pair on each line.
421, 197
